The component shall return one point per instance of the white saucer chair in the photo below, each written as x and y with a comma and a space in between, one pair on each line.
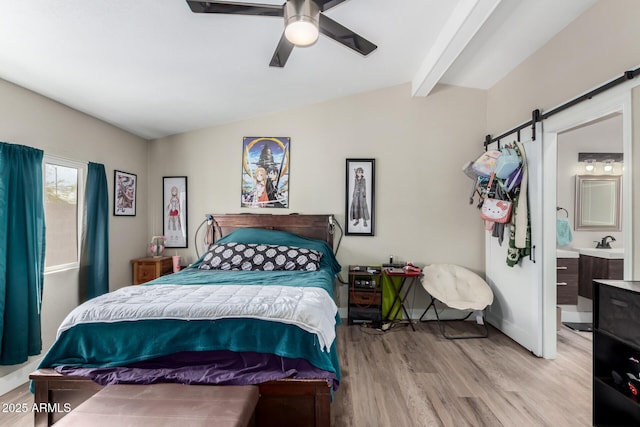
459, 288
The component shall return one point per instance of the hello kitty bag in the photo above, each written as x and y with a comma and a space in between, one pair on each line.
496, 210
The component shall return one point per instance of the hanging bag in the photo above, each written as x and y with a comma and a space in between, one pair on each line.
496, 209
486, 163
513, 180
507, 163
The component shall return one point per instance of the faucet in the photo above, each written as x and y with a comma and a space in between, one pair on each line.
604, 244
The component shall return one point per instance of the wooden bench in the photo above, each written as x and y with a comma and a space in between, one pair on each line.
283, 403
166, 405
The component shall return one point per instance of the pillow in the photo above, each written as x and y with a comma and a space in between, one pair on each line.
259, 256
277, 237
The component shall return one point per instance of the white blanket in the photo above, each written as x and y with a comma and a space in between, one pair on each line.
311, 309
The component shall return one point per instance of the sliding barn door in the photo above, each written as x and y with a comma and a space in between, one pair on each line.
517, 306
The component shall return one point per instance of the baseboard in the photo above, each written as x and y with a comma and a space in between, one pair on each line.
445, 314
18, 377
571, 314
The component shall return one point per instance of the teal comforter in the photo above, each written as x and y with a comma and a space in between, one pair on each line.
122, 343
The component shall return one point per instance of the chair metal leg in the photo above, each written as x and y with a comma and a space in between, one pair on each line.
441, 324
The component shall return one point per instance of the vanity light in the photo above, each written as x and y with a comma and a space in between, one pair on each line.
591, 160
608, 166
589, 165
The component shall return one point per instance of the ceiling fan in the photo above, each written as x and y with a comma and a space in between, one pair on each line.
303, 21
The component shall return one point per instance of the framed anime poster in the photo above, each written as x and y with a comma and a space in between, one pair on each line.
174, 207
360, 192
265, 172
124, 201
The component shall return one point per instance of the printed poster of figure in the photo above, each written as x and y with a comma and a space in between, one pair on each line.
125, 193
265, 172
360, 197
174, 201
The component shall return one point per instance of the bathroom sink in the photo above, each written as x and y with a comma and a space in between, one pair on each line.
613, 253
567, 253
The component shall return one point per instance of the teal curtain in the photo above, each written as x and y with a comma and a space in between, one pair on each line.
96, 239
22, 245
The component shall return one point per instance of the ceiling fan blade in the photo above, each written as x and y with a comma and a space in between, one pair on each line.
324, 5
236, 8
343, 35
281, 55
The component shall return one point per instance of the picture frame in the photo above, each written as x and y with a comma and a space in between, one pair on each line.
360, 197
265, 172
124, 193
174, 211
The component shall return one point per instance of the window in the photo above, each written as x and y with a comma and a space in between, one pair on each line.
63, 193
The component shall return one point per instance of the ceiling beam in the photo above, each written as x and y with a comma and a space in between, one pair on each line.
465, 21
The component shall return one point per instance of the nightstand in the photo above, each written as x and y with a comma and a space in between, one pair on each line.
145, 269
365, 296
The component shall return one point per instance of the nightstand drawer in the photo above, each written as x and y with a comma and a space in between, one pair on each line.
146, 269
146, 272
366, 298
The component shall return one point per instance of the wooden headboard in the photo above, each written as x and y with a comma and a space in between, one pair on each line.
310, 226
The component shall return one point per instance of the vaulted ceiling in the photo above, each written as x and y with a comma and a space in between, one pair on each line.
155, 68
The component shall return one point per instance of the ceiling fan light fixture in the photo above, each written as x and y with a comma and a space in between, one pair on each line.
301, 22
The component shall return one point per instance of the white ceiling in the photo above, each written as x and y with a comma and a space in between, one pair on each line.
154, 68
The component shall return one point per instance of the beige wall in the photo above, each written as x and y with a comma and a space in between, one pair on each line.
598, 46
30, 119
420, 144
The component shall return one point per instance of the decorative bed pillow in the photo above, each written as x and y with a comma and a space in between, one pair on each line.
258, 256
278, 237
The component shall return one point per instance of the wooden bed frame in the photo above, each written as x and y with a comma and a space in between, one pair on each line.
311, 226
283, 403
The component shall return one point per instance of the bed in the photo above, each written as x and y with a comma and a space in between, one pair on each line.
210, 325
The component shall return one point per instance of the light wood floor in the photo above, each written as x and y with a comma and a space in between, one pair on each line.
405, 378
402, 378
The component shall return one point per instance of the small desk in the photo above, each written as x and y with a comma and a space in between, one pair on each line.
400, 293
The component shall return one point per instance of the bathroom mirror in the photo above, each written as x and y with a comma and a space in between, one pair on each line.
598, 202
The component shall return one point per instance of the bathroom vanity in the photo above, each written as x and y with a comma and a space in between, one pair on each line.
578, 267
598, 264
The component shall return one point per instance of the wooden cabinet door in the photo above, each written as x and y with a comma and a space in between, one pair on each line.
593, 268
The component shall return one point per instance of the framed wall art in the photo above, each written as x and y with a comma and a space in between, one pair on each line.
124, 200
265, 172
174, 206
360, 197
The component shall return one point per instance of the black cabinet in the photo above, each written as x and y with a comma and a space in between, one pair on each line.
365, 294
616, 353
